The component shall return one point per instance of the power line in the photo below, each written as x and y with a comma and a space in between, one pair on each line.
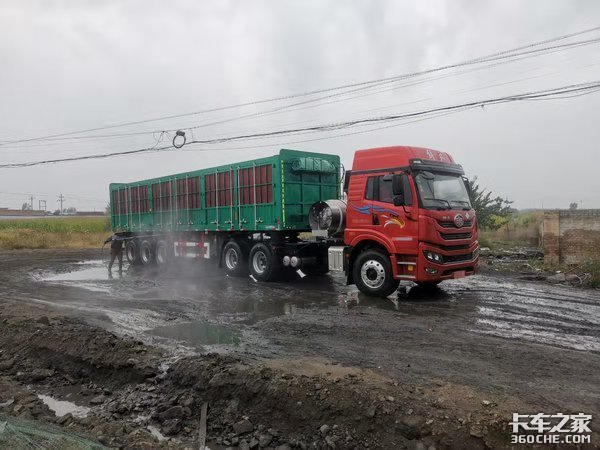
558, 93
377, 84
80, 158
362, 85
77, 139
286, 108
501, 56
526, 96
289, 108
335, 136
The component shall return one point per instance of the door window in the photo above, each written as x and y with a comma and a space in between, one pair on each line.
372, 188
379, 190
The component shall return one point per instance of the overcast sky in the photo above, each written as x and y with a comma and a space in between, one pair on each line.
72, 65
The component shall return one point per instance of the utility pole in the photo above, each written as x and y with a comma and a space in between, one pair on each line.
31, 202
61, 199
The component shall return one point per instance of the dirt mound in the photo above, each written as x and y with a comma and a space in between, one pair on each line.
133, 392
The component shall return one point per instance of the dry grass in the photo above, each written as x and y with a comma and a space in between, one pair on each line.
64, 232
522, 230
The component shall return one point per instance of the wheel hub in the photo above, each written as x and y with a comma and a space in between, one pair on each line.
231, 259
259, 262
372, 274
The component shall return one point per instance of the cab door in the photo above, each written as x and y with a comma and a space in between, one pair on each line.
394, 223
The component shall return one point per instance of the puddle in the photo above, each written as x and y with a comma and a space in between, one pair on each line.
90, 275
142, 301
62, 407
198, 334
86, 271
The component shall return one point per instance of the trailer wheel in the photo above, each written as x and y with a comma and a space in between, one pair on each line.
146, 253
373, 274
132, 252
233, 259
162, 254
263, 264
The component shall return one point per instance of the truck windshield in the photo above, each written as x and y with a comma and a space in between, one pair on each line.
442, 191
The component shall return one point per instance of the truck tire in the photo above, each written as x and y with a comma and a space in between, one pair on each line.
162, 254
233, 259
146, 253
132, 252
372, 271
263, 264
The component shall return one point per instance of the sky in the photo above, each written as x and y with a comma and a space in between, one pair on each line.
76, 65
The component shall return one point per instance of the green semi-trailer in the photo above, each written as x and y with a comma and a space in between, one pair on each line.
273, 193
222, 212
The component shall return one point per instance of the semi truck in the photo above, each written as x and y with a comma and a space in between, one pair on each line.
399, 214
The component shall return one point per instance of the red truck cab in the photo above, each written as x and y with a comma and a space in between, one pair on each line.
409, 217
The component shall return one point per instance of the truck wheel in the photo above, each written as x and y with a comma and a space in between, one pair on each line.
373, 274
162, 254
146, 253
132, 252
233, 260
262, 263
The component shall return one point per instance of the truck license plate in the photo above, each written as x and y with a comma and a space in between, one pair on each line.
459, 274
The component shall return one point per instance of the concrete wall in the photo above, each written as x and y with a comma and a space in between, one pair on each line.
571, 236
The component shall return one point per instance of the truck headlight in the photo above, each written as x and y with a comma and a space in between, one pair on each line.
433, 256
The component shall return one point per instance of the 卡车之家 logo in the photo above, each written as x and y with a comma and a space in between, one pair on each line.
556, 428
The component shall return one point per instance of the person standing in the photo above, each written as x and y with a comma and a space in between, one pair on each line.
116, 251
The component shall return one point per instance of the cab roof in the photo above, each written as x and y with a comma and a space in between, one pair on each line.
395, 157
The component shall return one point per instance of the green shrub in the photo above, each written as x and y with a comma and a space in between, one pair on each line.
593, 268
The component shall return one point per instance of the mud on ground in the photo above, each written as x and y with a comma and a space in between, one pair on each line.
305, 364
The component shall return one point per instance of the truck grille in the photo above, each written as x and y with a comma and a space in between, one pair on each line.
455, 236
450, 224
458, 258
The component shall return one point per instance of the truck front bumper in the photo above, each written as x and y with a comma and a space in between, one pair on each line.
435, 264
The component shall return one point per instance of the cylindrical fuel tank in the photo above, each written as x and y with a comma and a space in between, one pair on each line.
328, 215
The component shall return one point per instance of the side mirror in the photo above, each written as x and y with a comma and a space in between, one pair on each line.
399, 200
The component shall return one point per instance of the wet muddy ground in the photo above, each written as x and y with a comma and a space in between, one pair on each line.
491, 338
